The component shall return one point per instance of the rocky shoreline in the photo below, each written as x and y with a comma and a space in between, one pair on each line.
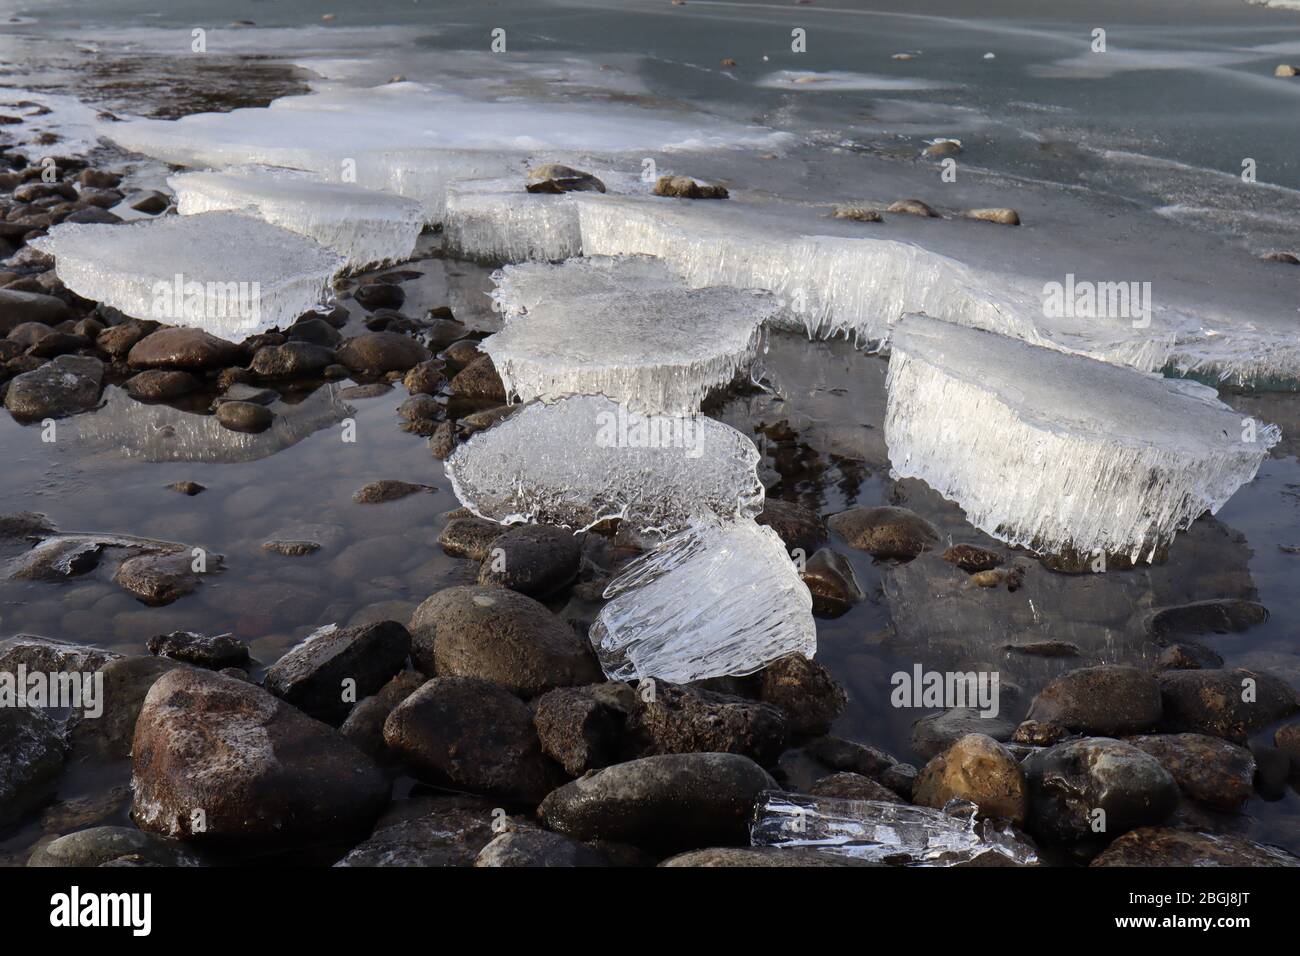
478, 731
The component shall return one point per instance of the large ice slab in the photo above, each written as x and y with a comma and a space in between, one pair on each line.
582, 460
498, 220
844, 285
625, 329
1058, 452
367, 227
230, 274
893, 833
412, 140
718, 599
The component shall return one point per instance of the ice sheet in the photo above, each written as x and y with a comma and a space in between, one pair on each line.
368, 227
718, 599
841, 285
1057, 452
581, 460
412, 140
230, 274
628, 330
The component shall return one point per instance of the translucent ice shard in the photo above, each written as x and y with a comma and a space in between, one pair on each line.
230, 274
366, 226
585, 459
1058, 452
718, 599
409, 139
841, 284
625, 329
893, 833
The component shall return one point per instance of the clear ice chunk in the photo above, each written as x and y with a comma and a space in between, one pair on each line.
893, 833
719, 599
1058, 452
498, 220
582, 460
368, 227
411, 140
625, 329
840, 284
229, 274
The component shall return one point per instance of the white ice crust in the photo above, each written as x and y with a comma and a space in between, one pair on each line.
626, 329
841, 285
368, 227
229, 274
412, 140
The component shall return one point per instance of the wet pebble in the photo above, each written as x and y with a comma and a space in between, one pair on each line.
470, 734
885, 532
979, 769
666, 803
261, 771
533, 559
330, 670
380, 492
214, 651
502, 636
1162, 846
187, 349
244, 417
1108, 700
1071, 780
1211, 701
804, 691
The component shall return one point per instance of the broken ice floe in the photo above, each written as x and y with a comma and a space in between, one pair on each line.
1058, 452
498, 220
229, 274
894, 833
411, 140
625, 329
841, 284
582, 460
368, 227
718, 599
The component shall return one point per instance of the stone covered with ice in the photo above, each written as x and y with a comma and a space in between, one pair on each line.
1058, 452
585, 459
718, 599
229, 274
625, 329
368, 227
412, 140
842, 284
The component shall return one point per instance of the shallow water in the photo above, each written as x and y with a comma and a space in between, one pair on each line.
1105, 153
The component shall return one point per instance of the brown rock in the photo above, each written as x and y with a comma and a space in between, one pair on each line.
979, 769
